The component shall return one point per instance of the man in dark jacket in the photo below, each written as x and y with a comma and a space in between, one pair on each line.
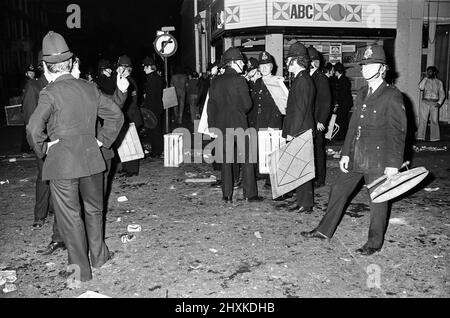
105, 81
131, 112
300, 113
153, 92
67, 115
373, 146
229, 101
322, 108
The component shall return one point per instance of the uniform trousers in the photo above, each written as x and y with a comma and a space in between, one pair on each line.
428, 109
338, 200
305, 195
156, 137
320, 156
44, 201
81, 236
230, 171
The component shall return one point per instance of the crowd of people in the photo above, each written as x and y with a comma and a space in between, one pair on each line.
74, 126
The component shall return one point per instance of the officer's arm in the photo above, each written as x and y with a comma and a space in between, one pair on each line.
112, 120
323, 96
422, 84
395, 131
243, 92
36, 127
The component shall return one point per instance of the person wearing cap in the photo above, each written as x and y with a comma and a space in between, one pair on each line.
229, 102
300, 114
105, 81
343, 100
43, 206
63, 130
374, 146
131, 111
322, 109
252, 75
153, 93
432, 98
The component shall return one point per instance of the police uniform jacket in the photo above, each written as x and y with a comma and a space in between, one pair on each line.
106, 84
267, 112
31, 96
153, 90
68, 110
130, 108
376, 135
322, 105
343, 94
229, 101
300, 106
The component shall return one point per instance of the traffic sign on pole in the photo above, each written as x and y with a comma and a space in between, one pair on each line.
165, 45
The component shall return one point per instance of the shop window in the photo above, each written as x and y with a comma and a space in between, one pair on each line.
425, 36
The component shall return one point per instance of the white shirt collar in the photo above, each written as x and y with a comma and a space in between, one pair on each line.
374, 85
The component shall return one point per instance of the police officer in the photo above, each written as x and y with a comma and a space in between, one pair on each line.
300, 113
66, 115
229, 101
153, 92
105, 81
252, 76
131, 112
373, 146
322, 109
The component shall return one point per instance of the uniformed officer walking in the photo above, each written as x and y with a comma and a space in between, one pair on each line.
67, 115
373, 146
229, 101
300, 113
322, 109
153, 92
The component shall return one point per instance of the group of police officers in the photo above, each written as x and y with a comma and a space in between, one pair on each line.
74, 124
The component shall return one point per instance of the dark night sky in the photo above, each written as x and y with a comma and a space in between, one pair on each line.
110, 28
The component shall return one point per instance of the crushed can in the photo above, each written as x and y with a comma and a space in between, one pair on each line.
134, 228
125, 238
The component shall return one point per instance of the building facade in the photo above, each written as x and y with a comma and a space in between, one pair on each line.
414, 33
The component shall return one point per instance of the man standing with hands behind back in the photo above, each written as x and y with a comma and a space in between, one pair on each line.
67, 115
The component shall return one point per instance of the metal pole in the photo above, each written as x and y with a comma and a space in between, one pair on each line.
167, 85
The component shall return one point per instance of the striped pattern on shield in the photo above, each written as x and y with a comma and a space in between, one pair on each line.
292, 164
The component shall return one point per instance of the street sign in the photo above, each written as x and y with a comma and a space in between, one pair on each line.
165, 45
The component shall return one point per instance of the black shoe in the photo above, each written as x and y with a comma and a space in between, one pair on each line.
301, 209
254, 199
216, 184
53, 246
39, 223
227, 199
314, 234
365, 250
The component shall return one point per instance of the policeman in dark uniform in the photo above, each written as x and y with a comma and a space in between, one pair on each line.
153, 92
105, 81
322, 109
67, 115
373, 146
229, 101
131, 112
300, 113
252, 76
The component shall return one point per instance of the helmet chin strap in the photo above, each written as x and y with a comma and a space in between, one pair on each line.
373, 76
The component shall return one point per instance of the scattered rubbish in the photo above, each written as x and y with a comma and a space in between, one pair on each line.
194, 194
172, 188
92, 294
12, 159
213, 250
345, 259
201, 180
122, 199
2, 281
431, 189
397, 221
9, 288
429, 148
3, 182
195, 265
23, 180
154, 287
134, 228
119, 219
125, 238
190, 174
50, 264
154, 216
23, 195
438, 256
258, 235
397, 265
